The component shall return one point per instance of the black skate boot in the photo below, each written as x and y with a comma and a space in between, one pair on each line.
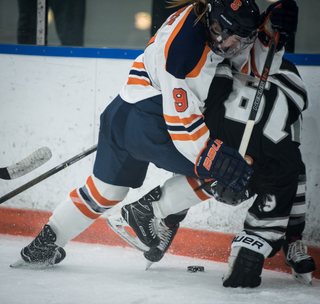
42, 250
166, 232
297, 258
167, 229
139, 215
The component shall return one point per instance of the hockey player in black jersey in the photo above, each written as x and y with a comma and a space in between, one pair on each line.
279, 178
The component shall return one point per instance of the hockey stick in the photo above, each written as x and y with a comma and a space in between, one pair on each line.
28, 164
48, 174
257, 99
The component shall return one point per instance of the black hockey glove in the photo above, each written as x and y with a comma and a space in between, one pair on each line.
246, 261
283, 16
219, 162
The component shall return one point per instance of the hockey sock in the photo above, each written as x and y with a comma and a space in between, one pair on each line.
84, 205
178, 194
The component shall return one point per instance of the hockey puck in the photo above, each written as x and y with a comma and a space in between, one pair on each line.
195, 268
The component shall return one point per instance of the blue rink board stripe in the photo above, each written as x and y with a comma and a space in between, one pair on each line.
62, 51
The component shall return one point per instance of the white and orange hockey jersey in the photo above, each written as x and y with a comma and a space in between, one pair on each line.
179, 65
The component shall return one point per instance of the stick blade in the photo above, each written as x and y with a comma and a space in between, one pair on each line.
28, 164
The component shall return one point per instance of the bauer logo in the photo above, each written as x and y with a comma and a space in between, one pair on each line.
142, 231
248, 241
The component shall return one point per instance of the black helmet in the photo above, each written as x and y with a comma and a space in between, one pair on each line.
233, 17
239, 17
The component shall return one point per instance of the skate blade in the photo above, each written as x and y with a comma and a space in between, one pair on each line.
21, 263
118, 225
148, 265
302, 278
18, 263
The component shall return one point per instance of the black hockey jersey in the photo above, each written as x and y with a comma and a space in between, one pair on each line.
277, 127
274, 142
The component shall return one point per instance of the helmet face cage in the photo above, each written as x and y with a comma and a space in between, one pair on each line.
227, 52
238, 18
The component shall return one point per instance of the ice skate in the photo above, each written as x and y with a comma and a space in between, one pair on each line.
120, 227
166, 232
42, 250
301, 263
139, 215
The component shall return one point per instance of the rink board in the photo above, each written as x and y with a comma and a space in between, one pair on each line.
188, 242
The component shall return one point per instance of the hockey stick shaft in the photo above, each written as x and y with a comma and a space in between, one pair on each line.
256, 102
257, 99
26, 165
48, 174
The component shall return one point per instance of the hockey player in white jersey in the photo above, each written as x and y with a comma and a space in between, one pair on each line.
158, 117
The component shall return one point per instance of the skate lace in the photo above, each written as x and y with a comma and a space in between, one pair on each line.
152, 228
297, 251
51, 260
45, 240
165, 234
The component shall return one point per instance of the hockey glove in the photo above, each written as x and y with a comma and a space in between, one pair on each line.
246, 261
219, 162
281, 16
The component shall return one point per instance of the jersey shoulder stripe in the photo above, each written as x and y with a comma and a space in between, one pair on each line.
186, 49
138, 74
152, 40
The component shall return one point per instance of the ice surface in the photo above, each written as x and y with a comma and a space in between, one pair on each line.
103, 274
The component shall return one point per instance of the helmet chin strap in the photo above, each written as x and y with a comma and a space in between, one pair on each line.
216, 43
217, 36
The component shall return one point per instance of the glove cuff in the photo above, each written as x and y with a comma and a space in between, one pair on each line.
252, 242
203, 165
